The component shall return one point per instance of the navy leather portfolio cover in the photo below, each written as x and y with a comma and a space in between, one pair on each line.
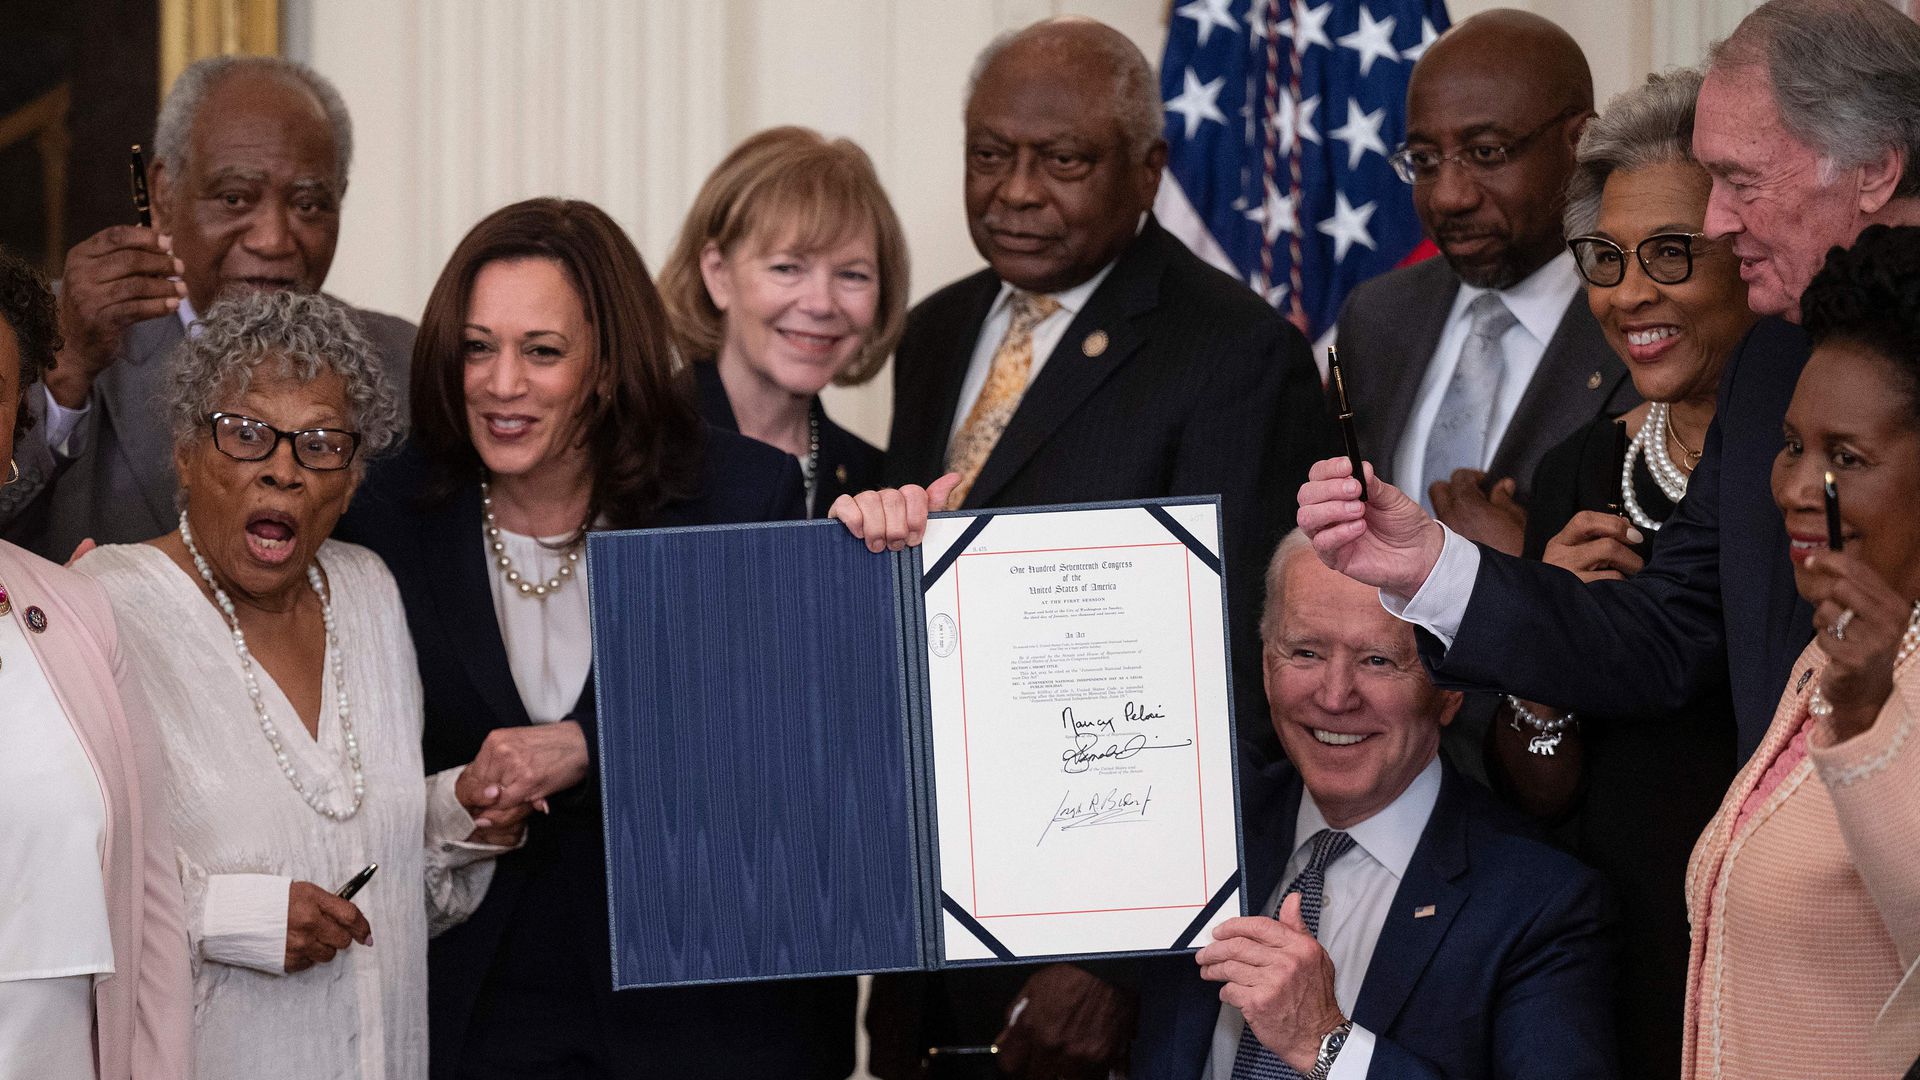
767, 760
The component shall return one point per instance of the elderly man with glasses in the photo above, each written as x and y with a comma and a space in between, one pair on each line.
1464, 370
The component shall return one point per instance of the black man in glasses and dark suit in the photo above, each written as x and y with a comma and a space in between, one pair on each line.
1487, 357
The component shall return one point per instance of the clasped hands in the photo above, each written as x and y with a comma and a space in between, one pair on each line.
1279, 977
516, 771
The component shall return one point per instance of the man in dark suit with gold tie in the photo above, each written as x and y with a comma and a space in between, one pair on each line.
1096, 358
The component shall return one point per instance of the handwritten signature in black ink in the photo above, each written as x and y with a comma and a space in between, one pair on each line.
1109, 807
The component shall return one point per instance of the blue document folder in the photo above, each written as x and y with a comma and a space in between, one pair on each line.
766, 759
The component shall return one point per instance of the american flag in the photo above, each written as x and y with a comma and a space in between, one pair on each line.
1279, 120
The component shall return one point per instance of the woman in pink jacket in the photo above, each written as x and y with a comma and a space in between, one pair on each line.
93, 952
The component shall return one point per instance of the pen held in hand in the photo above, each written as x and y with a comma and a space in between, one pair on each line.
1832, 492
1621, 448
357, 882
1343, 412
137, 168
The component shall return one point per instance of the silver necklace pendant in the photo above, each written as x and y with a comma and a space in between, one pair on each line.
1544, 744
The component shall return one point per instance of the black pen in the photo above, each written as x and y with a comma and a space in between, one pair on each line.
141, 204
358, 882
1617, 506
1343, 412
1833, 513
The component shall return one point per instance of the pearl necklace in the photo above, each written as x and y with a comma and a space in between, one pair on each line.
267, 728
810, 465
1651, 443
539, 590
1817, 703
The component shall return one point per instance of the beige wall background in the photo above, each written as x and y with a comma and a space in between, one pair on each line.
461, 106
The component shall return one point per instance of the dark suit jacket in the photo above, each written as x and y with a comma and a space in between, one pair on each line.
1717, 601
1511, 977
1202, 389
848, 464
120, 488
543, 925
1389, 329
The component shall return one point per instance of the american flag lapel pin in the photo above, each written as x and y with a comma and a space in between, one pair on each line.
1424, 911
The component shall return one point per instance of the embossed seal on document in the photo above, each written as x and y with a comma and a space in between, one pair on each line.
942, 635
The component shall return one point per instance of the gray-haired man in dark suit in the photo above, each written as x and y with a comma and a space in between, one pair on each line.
250, 164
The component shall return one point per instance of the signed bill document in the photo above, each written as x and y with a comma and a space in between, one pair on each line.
1082, 759
1010, 743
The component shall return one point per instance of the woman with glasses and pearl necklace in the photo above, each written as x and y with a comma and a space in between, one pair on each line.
1632, 792
283, 682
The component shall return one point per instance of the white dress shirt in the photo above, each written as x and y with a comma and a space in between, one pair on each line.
1046, 336
1441, 602
549, 645
62, 422
1538, 302
1360, 887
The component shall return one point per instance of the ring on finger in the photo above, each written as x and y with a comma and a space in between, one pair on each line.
1839, 627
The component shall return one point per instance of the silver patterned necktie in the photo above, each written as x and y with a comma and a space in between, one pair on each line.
1253, 1061
1461, 427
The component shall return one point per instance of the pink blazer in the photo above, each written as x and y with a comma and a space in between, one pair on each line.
144, 1010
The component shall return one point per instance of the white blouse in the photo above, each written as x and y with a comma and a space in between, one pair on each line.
54, 936
549, 647
244, 834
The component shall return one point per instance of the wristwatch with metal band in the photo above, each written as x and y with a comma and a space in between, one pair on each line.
1330, 1045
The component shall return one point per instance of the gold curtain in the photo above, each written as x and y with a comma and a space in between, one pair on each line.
195, 29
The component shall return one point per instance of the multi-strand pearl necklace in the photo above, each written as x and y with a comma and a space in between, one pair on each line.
539, 590
810, 465
267, 727
1651, 443
1817, 702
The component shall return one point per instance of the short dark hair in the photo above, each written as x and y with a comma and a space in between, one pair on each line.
27, 306
1869, 295
643, 434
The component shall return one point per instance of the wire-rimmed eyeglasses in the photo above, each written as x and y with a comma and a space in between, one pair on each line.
1422, 166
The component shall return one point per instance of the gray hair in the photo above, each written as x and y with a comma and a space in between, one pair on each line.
173, 132
1135, 93
1845, 75
1649, 125
1291, 545
302, 335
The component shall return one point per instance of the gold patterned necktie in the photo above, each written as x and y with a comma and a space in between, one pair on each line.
1006, 383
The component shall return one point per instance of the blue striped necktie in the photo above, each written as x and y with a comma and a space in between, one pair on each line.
1252, 1061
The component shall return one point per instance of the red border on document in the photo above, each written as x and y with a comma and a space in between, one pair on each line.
1193, 678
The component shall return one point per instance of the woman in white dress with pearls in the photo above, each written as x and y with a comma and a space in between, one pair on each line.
280, 670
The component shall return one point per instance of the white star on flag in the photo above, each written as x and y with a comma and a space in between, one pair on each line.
1198, 103
1373, 41
1274, 293
1295, 121
1311, 24
1256, 22
1428, 35
1361, 133
1347, 226
1277, 215
1208, 14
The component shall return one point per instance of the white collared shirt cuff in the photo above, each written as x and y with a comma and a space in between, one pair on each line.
449, 824
1442, 600
243, 921
1356, 1057
62, 422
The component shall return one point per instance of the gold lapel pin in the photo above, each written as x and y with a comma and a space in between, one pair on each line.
1593, 381
1095, 344
1424, 911
840, 473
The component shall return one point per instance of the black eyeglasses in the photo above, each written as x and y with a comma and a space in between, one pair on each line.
245, 439
1422, 166
1666, 257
